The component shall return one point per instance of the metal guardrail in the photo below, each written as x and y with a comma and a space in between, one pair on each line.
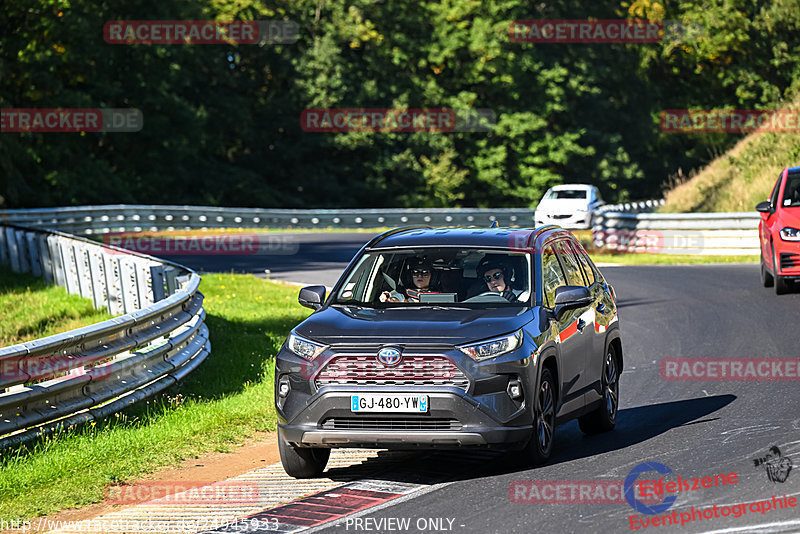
92, 220
94, 371
643, 206
679, 233
89, 220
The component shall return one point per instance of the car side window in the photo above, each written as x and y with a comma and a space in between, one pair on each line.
773, 198
552, 275
588, 272
791, 193
566, 249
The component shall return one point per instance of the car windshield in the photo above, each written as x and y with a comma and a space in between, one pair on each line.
567, 194
791, 194
441, 277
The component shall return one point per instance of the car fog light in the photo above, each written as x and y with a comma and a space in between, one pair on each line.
283, 387
514, 389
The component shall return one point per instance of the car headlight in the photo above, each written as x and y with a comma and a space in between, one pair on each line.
790, 234
303, 347
492, 347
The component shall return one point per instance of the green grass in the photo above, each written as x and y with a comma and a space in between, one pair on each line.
30, 309
738, 179
226, 400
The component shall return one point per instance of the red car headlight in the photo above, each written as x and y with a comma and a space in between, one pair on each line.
790, 234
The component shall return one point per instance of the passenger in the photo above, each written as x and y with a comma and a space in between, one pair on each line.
498, 277
423, 278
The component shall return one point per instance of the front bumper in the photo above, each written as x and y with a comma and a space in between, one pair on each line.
481, 415
788, 255
578, 220
328, 421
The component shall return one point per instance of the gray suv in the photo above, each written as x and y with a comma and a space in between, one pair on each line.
447, 338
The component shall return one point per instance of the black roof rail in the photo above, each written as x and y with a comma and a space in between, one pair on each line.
378, 238
538, 231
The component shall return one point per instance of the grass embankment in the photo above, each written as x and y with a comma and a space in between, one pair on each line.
223, 402
738, 179
31, 309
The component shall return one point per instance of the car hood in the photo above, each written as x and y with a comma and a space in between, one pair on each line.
350, 324
791, 217
562, 205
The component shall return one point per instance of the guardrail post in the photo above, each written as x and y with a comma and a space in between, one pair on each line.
70, 267
58, 261
172, 283
127, 273
145, 291
22, 248
33, 253
3, 246
158, 282
114, 293
96, 268
46, 262
13, 249
84, 274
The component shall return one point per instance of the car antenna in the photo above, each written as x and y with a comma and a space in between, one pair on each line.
494, 224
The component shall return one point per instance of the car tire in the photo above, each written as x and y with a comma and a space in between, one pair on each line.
604, 418
767, 279
544, 418
781, 284
302, 462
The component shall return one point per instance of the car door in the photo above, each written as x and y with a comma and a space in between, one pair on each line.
571, 358
604, 314
583, 325
768, 221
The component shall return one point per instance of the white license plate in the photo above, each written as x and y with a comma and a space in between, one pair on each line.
392, 402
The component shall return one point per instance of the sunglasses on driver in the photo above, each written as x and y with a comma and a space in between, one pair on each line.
493, 276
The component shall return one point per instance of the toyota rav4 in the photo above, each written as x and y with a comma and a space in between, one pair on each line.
451, 337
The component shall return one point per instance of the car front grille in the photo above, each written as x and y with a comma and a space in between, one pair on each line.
389, 423
416, 370
789, 261
560, 216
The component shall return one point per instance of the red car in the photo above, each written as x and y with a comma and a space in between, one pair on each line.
779, 231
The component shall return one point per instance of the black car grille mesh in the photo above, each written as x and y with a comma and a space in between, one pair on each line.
418, 370
789, 260
389, 423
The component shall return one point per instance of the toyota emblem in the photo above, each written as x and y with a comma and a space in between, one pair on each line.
389, 356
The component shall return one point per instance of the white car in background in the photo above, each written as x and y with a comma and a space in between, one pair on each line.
569, 206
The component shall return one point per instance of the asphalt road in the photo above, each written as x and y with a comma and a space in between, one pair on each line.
296, 257
696, 428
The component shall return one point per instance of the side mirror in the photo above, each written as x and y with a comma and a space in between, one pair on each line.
570, 298
764, 207
312, 297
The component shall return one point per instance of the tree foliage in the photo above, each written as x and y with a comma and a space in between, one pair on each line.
221, 122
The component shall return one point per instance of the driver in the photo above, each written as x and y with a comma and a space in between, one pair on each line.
497, 275
422, 277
